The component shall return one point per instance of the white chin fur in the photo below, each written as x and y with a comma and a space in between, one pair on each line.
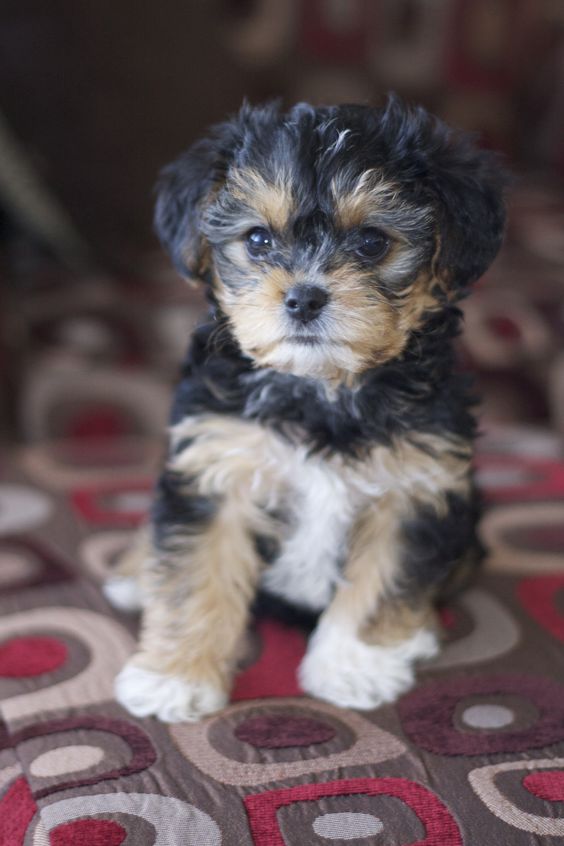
347, 672
171, 699
314, 361
123, 592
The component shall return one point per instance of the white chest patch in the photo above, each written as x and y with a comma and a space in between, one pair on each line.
309, 565
323, 494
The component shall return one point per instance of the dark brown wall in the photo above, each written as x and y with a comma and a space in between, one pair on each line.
103, 93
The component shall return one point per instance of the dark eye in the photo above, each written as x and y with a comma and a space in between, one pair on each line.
372, 243
259, 241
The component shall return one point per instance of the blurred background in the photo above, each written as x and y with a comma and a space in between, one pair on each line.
96, 96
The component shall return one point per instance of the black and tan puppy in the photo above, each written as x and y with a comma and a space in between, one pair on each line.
320, 440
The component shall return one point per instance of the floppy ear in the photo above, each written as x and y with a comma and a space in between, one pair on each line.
186, 185
468, 184
464, 183
182, 190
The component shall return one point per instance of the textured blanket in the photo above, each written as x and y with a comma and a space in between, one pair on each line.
473, 755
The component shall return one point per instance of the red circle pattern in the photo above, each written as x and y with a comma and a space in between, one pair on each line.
537, 595
547, 785
88, 833
281, 732
23, 657
440, 827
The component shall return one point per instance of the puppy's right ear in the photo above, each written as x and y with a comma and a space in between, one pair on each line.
182, 192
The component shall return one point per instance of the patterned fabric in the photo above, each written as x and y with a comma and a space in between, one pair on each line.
474, 754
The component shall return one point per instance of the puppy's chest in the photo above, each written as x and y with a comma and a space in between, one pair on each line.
307, 502
320, 506
259, 473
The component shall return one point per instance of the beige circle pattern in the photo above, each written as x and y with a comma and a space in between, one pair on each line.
66, 759
372, 746
506, 557
483, 784
109, 644
494, 634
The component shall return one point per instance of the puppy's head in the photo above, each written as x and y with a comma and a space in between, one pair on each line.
330, 235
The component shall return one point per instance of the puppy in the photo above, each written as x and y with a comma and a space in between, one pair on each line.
321, 438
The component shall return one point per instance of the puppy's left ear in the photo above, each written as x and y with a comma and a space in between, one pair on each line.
462, 182
182, 191
468, 185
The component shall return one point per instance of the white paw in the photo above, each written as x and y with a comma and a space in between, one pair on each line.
342, 669
123, 592
173, 700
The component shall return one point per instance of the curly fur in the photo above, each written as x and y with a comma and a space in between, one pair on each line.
321, 468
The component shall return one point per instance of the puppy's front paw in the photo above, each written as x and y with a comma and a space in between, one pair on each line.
344, 670
172, 699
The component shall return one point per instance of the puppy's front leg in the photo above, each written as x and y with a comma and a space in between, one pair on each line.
378, 625
197, 592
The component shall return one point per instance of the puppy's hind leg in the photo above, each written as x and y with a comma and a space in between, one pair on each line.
123, 589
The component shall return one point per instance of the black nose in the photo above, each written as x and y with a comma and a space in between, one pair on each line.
305, 302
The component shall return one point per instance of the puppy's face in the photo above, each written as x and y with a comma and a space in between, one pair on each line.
323, 231
318, 275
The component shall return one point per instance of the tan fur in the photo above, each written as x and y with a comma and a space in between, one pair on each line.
377, 329
198, 590
273, 201
199, 595
196, 617
362, 326
370, 193
365, 328
369, 200
255, 312
396, 621
229, 453
341, 519
233, 456
367, 601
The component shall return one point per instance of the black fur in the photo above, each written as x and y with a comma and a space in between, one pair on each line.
418, 392
433, 545
267, 605
431, 163
176, 511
